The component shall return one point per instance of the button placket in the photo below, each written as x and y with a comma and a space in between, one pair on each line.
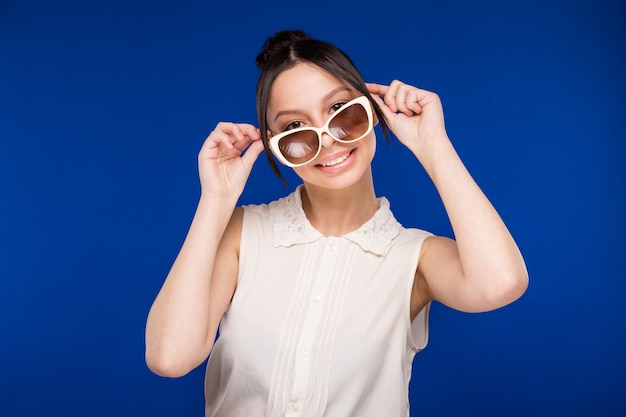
311, 323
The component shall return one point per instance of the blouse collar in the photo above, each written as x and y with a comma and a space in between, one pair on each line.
291, 227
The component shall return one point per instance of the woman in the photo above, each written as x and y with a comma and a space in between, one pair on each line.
322, 296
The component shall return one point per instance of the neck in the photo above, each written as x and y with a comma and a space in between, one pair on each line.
336, 212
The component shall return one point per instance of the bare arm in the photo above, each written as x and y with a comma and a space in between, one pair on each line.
184, 317
483, 268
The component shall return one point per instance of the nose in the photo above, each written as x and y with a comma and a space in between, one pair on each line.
327, 140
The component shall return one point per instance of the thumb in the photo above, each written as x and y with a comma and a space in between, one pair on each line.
252, 153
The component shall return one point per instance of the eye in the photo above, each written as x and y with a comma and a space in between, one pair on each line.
337, 106
293, 125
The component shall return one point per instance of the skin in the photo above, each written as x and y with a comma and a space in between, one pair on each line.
479, 271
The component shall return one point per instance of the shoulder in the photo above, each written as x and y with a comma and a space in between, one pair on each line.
411, 237
412, 243
268, 221
247, 217
413, 234
279, 204
285, 210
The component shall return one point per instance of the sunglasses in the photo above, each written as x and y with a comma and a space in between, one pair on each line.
297, 147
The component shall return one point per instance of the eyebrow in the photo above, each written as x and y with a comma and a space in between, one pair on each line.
324, 99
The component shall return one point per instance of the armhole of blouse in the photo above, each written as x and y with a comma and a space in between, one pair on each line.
242, 250
242, 240
418, 328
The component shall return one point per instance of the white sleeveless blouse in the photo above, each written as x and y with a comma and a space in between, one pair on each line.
318, 326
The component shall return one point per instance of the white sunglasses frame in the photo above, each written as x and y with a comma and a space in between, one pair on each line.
362, 100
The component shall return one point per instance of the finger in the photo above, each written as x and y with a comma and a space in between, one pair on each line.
250, 134
243, 144
214, 141
226, 134
376, 92
378, 89
237, 135
401, 100
387, 112
233, 130
413, 101
390, 95
250, 130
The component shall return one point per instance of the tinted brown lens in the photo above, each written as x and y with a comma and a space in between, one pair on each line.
299, 147
350, 123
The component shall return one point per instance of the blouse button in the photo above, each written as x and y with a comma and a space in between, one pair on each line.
294, 406
317, 298
303, 353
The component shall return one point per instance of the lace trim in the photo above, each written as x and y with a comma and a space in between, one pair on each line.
291, 227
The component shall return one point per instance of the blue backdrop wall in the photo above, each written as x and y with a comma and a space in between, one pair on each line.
104, 105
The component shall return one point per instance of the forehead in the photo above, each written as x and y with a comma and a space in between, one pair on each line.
301, 86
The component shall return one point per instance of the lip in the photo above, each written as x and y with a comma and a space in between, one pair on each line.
341, 165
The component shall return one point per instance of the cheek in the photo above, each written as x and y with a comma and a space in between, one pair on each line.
368, 145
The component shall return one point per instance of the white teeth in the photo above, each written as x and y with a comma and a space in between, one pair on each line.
336, 161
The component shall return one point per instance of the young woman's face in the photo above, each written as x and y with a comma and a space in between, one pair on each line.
306, 95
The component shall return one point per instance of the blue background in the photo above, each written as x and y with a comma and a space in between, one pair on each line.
104, 105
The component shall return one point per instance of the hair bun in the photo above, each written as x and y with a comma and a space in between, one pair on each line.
281, 40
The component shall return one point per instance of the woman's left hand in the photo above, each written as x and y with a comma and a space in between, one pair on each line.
415, 116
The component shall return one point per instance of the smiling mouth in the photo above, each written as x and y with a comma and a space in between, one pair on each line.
337, 160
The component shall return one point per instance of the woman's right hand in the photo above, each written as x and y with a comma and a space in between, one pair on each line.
226, 159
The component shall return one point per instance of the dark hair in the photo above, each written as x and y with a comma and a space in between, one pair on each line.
284, 50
